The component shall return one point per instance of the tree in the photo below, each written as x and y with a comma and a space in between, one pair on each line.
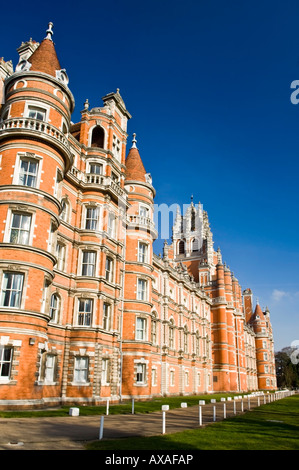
287, 372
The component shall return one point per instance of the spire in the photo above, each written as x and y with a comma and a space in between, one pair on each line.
134, 142
49, 31
135, 170
44, 58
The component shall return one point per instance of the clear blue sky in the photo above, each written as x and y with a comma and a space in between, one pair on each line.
208, 87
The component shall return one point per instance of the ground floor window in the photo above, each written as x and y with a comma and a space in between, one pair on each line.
81, 369
5, 361
140, 373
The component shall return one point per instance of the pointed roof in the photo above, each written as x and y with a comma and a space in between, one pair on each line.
258, 312
44, 58
135, 170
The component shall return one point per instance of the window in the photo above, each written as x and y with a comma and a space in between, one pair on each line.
105, 371
91, 221
37, 113
108, 269
181, 247
111, 225
140, 373
11, 292
54, 307
171, 335
6, 354
142, 252
28, 172
64, 215
195, 244
98, 137
85, 312
88, 263
143, 211
20, 228
142, 289
116, 146
172, 382
154, 330
140, 329
50, 367
60, 255
154, 377
106, 316
81, 369
185, 341
95, 169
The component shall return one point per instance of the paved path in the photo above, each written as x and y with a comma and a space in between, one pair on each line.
71, 432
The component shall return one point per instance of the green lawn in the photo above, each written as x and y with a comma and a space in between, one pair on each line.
126, 408
274, 426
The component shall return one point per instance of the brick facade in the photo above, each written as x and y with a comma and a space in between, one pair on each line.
87, 310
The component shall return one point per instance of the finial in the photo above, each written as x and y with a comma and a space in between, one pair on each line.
134, 141
49, 31
117, 91
86, 104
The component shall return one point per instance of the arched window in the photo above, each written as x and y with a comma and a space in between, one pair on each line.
97, 138
195, 244
181, 247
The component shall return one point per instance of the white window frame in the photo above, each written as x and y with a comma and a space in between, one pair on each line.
87, 315
111, 226
89, 264
106, 323
10, 216
109, 269
140, 373
17, 173
105, 375
19, 291
95, 218
54, 309
5, 362
81, 369
50, 366
142, 289
29, 105
61, 255
142, 252
141, 329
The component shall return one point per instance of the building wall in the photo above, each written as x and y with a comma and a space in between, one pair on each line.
87, 310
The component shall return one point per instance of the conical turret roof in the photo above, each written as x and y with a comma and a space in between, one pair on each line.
44, 58
135, 170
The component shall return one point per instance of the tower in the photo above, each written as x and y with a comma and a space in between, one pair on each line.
35, 155
138, 307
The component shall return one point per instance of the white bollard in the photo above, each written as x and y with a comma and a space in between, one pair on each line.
214, 413
74, 411
201, 402
258, 401
224, 410
107, 406
164, 409
101, 428
234, 407
163, 422
133, 406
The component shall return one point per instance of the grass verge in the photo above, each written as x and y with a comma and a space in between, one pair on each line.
274, 426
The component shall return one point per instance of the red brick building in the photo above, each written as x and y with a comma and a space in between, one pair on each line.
87, 310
